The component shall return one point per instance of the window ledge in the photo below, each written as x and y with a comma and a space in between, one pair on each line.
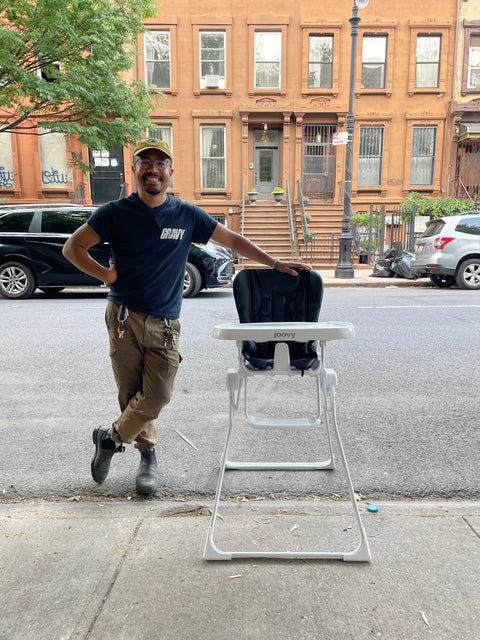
373, 92
266, 92
436, 90
218, 92
213, 194
170, 92
314, 93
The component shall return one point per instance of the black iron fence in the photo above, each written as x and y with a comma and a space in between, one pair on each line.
399, 230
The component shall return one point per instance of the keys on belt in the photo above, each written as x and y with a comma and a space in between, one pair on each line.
169, 337
122, 318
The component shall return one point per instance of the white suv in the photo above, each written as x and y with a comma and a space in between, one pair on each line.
449, 251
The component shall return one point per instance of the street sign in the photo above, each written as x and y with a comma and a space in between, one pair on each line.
340, 138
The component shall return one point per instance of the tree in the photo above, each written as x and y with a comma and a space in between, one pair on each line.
63, 69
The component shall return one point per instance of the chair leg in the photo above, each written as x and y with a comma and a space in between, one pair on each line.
362, 552
211, 551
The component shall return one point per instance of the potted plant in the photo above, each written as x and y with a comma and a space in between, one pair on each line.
305, 201
361, 221
253, 195
277, 194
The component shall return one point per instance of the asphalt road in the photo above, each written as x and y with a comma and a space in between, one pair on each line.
407, 401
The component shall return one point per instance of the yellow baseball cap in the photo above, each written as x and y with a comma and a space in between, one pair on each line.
152, 143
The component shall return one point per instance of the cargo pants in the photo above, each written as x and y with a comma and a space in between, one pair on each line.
144, 370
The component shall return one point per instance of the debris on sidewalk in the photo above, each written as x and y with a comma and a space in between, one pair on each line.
186, 439
424, 618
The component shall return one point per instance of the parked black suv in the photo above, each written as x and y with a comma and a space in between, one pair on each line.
31, 242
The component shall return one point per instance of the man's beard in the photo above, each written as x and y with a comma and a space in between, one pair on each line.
152, 187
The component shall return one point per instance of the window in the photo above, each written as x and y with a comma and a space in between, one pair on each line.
470, 226
370, 156
157, 59
268, 49
213, 161
18, 221
374, 57
473, 81
7, 176
63, 222
212, 59
49, 72
320, 61
162, 132
427, 62
471, 57
422, 159
53, 160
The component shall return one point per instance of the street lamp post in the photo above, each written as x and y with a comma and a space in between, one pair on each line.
345, 267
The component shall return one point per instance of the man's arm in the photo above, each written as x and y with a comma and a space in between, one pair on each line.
248, 249
76, 251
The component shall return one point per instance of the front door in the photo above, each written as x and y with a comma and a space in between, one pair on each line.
106, 182
318, 162
267, 162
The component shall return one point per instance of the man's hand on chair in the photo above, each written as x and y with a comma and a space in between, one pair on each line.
289, 267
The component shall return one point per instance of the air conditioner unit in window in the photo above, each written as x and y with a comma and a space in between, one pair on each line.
212, 82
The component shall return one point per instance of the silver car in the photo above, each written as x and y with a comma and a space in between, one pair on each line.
449, 251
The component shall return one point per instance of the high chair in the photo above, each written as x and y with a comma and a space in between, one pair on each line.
279, 335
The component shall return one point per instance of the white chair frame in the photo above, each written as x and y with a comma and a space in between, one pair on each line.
326, 380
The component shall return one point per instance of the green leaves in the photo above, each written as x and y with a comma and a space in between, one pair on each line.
64, 67
433, 208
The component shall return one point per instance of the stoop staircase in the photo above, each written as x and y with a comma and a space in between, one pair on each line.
266, 224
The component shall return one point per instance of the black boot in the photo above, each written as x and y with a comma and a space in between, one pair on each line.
104, 450
147, 476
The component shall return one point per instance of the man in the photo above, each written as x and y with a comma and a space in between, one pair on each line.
150, 233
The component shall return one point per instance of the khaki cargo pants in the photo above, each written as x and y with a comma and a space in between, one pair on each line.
144, 371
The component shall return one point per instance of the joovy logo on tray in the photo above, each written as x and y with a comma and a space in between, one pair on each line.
284, 334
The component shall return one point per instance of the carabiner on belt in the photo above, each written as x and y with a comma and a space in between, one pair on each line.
122, 318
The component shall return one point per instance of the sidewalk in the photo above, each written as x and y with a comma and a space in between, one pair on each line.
135, 571
363, 278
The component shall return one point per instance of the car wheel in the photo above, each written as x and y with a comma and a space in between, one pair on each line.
16, 280
192, 281
468, 274
441, 281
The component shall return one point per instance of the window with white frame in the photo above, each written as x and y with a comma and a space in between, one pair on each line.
320, 61
212, 59
213, 158
422, 158
162, 132
56, 172
268, 53
49, 72
473, 81
427, 61
370, 156
157, 59
374, 60
7, 176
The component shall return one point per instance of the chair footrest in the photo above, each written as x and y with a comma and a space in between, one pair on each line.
279, 466
306, 422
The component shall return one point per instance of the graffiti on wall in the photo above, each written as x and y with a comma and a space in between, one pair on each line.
6, 178
54, 176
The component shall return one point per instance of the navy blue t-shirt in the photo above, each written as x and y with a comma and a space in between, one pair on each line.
150, 248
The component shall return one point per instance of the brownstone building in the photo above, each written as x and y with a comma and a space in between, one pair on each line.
464, 109
255, 97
